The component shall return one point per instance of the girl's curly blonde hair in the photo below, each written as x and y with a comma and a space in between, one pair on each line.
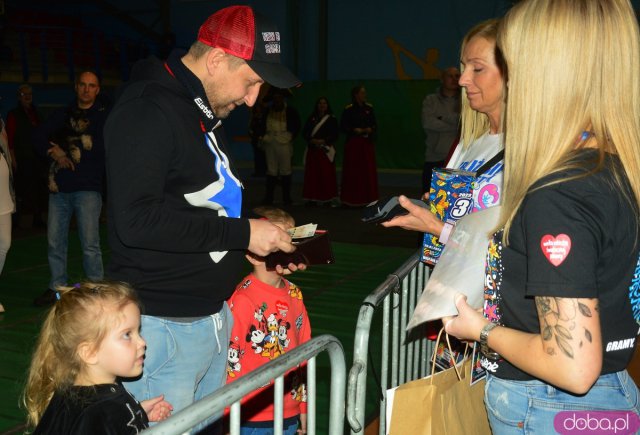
78, 316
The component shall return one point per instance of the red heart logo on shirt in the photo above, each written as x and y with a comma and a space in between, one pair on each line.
556, 249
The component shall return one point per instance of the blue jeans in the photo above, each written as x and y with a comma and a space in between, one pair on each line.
529, 407
184, 361
87, 206
289, 427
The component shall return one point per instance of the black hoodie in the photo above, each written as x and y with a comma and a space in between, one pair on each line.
106, 409
174, 204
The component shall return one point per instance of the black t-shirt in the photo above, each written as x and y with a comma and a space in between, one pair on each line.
574, 239
97, 410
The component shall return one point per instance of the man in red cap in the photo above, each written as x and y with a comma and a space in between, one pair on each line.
174, 203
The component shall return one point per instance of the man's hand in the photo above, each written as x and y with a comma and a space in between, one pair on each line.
58, 154
267, 237
55, 152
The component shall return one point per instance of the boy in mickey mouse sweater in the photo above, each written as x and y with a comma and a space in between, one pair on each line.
269, 320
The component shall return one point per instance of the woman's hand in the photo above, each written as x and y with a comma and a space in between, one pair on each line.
418, 219
467, 324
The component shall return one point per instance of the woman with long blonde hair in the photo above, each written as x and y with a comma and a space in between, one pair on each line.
562, 298
481, 134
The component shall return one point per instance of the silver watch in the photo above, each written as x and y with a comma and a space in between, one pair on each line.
484, 347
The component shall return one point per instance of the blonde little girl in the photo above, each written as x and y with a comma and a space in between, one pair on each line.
89, 339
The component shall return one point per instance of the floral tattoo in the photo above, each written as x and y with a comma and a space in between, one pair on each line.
559, 323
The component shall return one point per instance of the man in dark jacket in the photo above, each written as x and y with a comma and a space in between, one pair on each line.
72, 141
175, 226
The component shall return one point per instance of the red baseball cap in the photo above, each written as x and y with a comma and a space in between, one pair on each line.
243, 33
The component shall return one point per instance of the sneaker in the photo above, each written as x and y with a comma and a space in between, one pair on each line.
45, 299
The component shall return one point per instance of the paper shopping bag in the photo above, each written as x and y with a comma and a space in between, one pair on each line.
442, 404
462, 406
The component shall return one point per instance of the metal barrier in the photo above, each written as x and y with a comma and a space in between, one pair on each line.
231, 394
409, 359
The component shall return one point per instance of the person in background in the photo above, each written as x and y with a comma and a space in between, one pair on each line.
321, 133
176, 229
269, 319
481, 136
255, 130
359, 185
72, 140
89, 339
30, 168
280, 126
7, 198
561, 309
441, 123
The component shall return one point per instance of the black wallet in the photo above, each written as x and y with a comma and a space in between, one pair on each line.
311, 250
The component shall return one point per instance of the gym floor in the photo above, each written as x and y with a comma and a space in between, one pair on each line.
365, 255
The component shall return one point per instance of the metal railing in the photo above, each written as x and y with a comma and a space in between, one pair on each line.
403, 358
230, 394
409, 356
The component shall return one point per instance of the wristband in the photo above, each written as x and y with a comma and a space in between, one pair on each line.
446, 231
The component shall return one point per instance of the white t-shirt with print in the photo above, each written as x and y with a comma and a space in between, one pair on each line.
487, 191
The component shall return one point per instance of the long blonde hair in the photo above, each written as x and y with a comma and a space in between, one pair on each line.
79, 316
572, 65
473, 123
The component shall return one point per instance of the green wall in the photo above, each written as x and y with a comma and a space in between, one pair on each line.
397, 105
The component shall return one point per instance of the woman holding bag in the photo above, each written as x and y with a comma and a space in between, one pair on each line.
561, 293
321, 132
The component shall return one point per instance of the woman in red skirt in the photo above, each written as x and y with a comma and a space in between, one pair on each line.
321, 132
359, 173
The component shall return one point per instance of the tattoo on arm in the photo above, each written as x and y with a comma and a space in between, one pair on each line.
558, 323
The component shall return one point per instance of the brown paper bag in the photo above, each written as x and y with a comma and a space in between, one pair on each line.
441, 404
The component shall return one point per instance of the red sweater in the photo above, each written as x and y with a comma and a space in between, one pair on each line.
267, 322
